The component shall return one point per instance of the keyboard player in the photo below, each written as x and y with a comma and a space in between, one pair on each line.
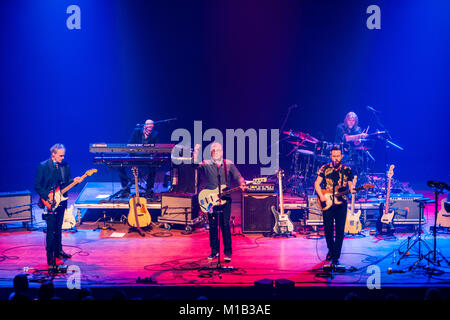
141, 135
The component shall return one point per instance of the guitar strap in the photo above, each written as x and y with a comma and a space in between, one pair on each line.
225, 171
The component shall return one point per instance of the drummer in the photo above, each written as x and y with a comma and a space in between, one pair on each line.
349, 132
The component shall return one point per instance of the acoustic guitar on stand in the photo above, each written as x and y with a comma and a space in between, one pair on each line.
138, 216
443, 218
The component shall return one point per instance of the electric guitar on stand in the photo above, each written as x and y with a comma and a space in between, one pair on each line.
353, 222
283, 223
138, 216
385, 224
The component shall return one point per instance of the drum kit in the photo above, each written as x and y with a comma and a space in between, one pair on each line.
309, 154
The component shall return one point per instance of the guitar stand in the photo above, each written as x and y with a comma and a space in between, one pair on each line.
138, 230
105, 225
234, 233
283, 235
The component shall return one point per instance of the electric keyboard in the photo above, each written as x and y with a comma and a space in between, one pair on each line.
163, 148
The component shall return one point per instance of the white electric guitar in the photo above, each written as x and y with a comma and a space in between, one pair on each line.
69, 220
209, 198
283, 223
353, 223
385, 224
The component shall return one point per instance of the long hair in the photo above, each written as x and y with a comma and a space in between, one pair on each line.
351, 115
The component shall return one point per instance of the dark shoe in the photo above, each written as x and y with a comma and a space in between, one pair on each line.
51, 263
213, 256
63, 255
227, 258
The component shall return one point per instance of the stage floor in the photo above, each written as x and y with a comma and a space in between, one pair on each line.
117, 258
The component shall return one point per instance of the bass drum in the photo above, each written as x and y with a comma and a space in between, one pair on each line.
322, 151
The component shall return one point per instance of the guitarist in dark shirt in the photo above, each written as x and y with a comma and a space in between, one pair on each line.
210, 172
335, 176
50, 174
144, 135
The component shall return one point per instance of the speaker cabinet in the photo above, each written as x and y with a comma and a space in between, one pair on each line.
15, 207
256, 214
314, 214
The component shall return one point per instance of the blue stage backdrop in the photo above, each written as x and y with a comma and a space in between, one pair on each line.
232, 64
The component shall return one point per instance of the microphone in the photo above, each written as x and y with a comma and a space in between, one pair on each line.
438, 185
372, 109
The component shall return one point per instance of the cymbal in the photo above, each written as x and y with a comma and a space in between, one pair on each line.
363, 148
306, 152
301, 135
297, 143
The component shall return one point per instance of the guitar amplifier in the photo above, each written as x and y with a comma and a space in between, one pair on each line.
406, 210
178, 206
314, 214
261, 188
256, 212
15, 207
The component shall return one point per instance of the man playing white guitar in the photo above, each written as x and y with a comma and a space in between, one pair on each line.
336, 177
217, 172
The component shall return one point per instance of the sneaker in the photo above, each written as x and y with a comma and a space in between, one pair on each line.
227, 258
213, 256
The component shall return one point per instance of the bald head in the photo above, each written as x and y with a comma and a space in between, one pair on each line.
148, 127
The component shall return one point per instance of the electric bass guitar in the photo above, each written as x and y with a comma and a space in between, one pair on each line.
138, 216
353, 223
385, 224
331, 198
56, 197
209, 198
283, 223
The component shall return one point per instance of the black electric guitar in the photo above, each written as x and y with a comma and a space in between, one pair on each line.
283, 223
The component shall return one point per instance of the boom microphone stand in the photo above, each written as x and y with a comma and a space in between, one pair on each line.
438, 189
386, 136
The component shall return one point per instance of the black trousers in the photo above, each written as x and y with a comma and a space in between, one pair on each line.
54, 233
147, 172
220, 214
334, 226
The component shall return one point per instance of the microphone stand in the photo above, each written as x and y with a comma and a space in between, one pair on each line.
437, 191
386, 136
